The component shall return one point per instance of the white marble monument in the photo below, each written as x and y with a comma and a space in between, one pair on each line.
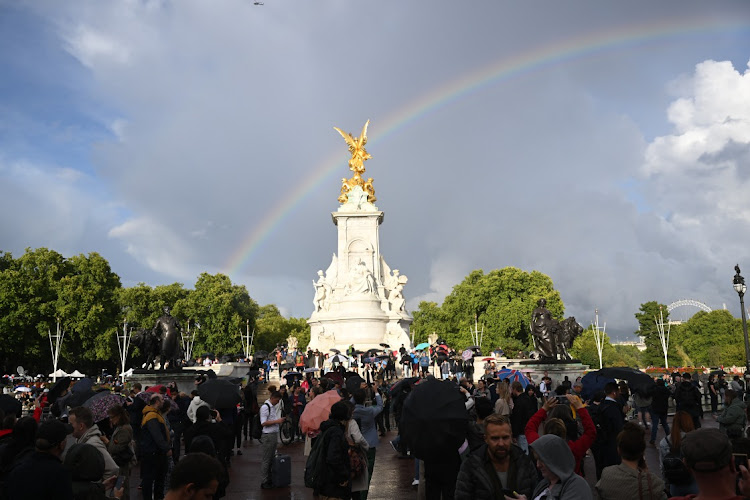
358, 299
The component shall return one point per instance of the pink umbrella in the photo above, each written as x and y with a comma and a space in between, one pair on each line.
316, 411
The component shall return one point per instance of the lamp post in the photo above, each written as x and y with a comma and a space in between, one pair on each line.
740, 287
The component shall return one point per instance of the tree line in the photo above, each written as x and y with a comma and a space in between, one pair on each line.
502, 300
82, 293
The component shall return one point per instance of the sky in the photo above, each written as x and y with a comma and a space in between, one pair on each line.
605, 144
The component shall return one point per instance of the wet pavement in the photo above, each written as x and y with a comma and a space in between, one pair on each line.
391, 478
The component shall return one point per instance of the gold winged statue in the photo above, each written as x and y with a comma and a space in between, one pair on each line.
356, 165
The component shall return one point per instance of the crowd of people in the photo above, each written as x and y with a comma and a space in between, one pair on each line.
521, 439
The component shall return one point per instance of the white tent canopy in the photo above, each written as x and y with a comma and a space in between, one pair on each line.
77, 374
59, 373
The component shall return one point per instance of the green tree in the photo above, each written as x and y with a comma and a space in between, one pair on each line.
713, 339
501, 301
584, 348
28, 307
271, 328
221, 309
88, 308
647, 316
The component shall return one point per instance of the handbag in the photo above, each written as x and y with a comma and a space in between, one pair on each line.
357, 460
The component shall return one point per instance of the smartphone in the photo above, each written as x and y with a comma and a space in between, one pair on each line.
562, 399
121, 480
739, 459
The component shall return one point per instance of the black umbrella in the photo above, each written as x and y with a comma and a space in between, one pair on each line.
385, 345
220, 393
592, 383
335, 350
56, 391
78, 398
260, 354
434, 420
353, 383
292, 376
287, 366
717, 372
10, 405
253, 372
83, 385
383, 356
396, 388
636, 379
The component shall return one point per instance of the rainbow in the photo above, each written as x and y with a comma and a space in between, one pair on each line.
523, 63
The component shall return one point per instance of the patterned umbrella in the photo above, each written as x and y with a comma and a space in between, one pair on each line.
513, 376
101, 402
467, 355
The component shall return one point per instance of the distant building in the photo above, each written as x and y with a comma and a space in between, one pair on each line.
641, 344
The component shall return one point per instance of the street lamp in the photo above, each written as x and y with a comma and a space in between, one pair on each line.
740, 287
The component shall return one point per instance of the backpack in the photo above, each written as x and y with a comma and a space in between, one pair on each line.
673, 467
315, 464
257, 427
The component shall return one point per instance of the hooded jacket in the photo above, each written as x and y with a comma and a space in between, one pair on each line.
477, 479
733, 418
154, 436
579, 446
337, 463
555, 454
194, 405
93, 437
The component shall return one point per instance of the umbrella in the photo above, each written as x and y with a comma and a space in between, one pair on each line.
353, 383
488, 359
718, 372
23, 388
434, 420
78, 398
144, 396
292, 376
220, 393
386, 346
396, 388
311, 370
57, 389
101, 402
467, 355
513, 376
253, 372
10, 405
383, 356
155, 388
260, 354
317, 411
593, 383
83, 385
339, 358
636, 379
423, 345
335, 350
287, 366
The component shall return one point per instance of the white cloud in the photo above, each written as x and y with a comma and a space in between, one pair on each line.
91, 46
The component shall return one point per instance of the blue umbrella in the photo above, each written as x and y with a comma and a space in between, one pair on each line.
423, 345
592, 383
513, 376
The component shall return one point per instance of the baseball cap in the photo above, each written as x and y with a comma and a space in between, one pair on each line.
53, 432
706, 450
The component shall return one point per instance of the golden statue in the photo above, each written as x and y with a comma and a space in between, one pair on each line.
356, 165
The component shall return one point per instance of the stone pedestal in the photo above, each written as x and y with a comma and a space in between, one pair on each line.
358, 300
184, 378
557, 370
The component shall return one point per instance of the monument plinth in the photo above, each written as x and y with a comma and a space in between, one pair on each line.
358, 299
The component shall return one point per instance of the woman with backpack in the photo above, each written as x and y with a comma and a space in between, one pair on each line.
675, 474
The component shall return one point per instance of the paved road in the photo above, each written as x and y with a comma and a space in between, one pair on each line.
392, 477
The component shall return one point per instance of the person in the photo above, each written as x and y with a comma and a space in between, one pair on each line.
688, 398
642, 401
270, 419
195, 477
556, 464
631, 479
86, 467
524, 407
502, 405
611, 418
44, 463
496, 466
659, 409
155, 449
18, 448
298, 403
220, 435
119, 445
194, 404
366, 415
481, 390
556, 426
336, 475
355, 439
713, 393
85, 430
733, 419
708, 455
682, 424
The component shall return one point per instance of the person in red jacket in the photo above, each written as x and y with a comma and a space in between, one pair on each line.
557, 427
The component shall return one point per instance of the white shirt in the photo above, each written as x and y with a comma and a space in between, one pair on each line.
268, 412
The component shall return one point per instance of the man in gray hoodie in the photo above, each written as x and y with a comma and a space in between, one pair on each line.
556, 463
